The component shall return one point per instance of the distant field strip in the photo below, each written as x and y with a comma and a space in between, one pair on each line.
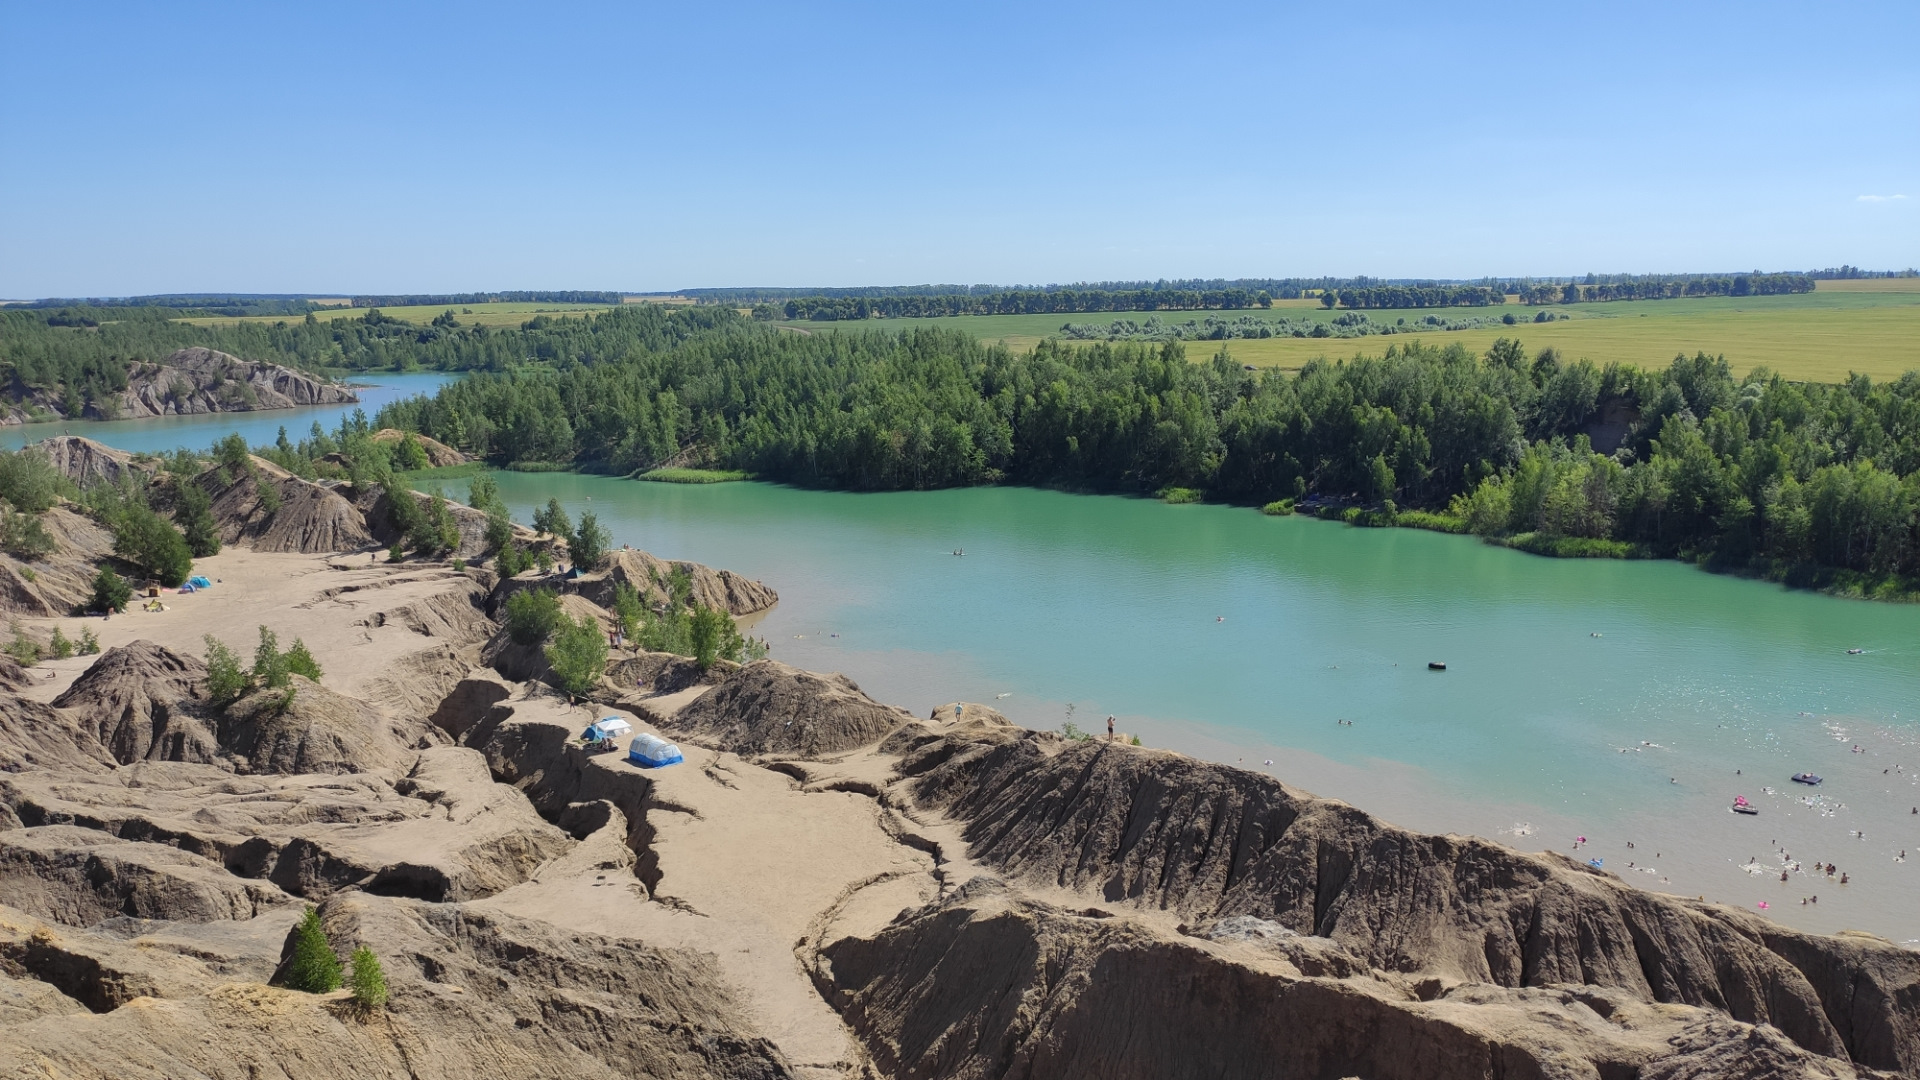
492, 315
1870, 326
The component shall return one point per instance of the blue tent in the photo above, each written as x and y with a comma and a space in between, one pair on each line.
199, 582
652, 752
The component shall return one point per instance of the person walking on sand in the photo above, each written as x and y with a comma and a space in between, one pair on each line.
1109, 728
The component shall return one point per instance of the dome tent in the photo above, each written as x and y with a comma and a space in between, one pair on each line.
652, 752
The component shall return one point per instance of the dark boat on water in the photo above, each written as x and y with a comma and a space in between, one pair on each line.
1806, 778
1436, 665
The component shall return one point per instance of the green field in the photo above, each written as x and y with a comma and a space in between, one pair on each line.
1870, 326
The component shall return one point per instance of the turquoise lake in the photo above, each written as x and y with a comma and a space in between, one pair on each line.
1623, 702
1607, 699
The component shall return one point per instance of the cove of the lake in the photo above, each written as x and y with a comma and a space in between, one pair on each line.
1626, 702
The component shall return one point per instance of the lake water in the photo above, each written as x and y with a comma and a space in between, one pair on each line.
200, 432
1611, 700
1626, 702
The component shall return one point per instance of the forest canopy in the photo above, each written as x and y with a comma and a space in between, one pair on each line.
1686, 460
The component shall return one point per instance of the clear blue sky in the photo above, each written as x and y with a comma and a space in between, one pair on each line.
429, 147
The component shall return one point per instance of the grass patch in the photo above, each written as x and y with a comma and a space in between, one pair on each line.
694, 476
1178, 495
1421, 519
463, 471
1569, 547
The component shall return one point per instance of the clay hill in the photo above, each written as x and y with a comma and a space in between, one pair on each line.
827, 886
188, 382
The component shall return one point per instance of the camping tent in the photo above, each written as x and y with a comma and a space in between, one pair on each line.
652, 751
608, 727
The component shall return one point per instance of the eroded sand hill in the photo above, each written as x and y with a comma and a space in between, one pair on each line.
827, 887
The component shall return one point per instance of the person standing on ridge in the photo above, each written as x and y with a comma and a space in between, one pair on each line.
1109, 728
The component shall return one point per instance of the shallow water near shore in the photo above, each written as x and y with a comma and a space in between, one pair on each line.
1610, 700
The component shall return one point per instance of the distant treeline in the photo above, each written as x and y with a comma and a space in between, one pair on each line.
185, 305
1011, 302
1671, 288
1794, 479
1413, 296
458, 299
1276, 288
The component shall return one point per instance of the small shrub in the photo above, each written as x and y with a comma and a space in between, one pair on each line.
89, 644
368, 982
24, 537
269, 663
225, 679
60, 646
1136, 741
269, 494
314, 967
1179, 495
110, 591
1072, 731
23, 648
394, 554
532, 615
589, 543
27, 574
578, 654
713, 635
544, 560
300, 661
1278, 508
459, 566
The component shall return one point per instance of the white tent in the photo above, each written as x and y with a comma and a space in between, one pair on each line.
652, 751
607, 727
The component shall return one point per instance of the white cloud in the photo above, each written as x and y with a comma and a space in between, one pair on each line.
1878, 198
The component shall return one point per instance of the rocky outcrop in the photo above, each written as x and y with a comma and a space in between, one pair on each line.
307, 728
61, 582
270, 509
1162, 831
441, 831
37, 737
475, 994
439, 454
769, 708
144, 702
987, 985
191, 382
652, 578
81, 877
87, 462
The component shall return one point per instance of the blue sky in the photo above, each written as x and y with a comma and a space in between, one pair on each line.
433, 147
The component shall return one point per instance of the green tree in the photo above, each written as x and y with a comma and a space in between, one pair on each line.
226, 681
368, 982
713, 636
110, 591
628, 610
29, 482
194, 512
89, 642
24, 537
532, 615
578, 654
589, 543
270, 666
313, 968
411, 457
60, 646
150, 542
300, 661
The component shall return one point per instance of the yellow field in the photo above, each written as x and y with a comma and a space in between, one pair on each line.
468, 314
1812, 345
